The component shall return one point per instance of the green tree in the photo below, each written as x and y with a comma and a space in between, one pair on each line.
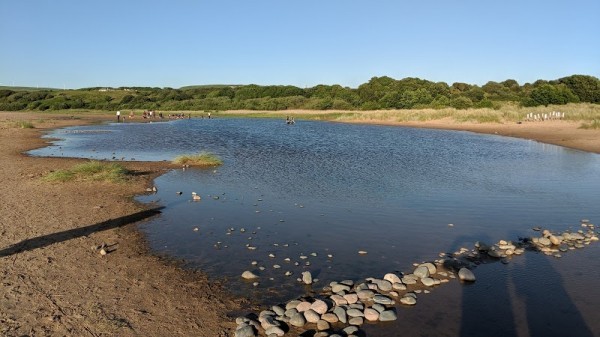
587, 88
547, 94
461, 102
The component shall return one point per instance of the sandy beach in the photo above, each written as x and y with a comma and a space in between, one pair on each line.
55, 284
562, 133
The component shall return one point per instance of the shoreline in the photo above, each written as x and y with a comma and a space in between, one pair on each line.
58, 285
54, 280
561, 133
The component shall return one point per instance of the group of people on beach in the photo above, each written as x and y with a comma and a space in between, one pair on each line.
151, 114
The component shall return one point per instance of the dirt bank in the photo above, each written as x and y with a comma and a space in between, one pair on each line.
54, 284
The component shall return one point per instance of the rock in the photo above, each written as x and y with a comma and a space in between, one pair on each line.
292, 304
358, 306
554, 240
399, 286
245, 331
382, 285
311, 316
356, 321
494, 253
307, 277
410, 278
341, 314
349, 330
338, 300
380, 308
330, 317
268, 322
371, 314
408, 300
421, 272
428, 281
297, 320
322, 325
392, 278
430, 266
303, 306
544, 241
466, 275
103, 252
349, 283
338, 287
278, 310
248, 275
274, 330
351, 298
354, 313
383, 300
365, 294
388, 315
319, 307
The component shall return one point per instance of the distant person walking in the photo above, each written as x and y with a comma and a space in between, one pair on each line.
118, 116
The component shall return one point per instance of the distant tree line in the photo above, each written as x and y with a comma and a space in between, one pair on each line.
378, 93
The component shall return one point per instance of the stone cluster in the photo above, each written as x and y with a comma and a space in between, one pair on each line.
556, 243
343, 307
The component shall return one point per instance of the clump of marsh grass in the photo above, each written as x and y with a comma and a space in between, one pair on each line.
91, 171
24, 125
202, 159
593, 125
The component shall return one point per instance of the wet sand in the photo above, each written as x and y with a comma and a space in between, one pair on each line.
562, 133
53, 283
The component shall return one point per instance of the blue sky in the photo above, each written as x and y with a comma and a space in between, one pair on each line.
78, 43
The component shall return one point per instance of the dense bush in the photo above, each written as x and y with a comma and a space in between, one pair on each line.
378, 93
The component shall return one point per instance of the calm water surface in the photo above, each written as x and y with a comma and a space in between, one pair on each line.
334, 189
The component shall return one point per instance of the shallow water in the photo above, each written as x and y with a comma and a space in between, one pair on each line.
329, 188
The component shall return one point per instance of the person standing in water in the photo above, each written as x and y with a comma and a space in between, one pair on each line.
118, 116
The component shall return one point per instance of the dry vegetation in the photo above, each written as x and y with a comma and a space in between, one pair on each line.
582, 112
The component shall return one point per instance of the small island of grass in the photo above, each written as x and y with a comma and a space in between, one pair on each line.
202, 159
90, 171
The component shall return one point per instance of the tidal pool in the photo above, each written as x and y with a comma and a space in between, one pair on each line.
316, 193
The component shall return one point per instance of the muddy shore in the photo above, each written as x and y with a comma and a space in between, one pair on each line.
55, 284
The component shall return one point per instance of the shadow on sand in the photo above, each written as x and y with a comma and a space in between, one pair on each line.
49, 239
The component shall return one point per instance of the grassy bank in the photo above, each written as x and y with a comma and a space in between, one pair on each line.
202, 159
92, 170
508, 113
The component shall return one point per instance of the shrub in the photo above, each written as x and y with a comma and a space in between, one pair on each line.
202, 159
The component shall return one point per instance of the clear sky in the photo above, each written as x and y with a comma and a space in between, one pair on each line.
80, 43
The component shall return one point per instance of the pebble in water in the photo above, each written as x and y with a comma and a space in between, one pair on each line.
248, 275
